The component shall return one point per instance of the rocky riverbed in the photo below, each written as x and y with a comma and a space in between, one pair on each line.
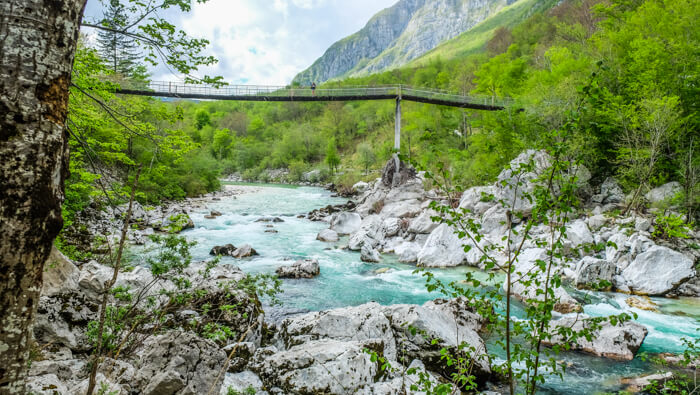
350, 292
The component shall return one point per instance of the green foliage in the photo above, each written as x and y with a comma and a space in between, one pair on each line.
670, 227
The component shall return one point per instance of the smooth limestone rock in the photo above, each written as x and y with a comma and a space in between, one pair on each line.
611, 191
361, 323
345, 223
578, 234
370, 233
436, 321
591, 271
423, 223
619, 342
180, 363
391, 227
442, 249
244, 251
664, 192
305, 268
407, 252
524, 266
318, 366
518, 179
327, 235
369, 254
658, 271
60, 274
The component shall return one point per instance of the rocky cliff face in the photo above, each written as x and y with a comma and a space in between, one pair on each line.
397, 35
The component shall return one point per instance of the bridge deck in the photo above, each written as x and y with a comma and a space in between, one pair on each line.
304, 94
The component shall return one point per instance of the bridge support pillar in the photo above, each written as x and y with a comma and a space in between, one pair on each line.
397, 136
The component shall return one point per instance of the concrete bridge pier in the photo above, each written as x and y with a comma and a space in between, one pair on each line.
397, 136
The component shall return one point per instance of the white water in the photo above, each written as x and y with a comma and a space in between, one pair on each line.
346, 281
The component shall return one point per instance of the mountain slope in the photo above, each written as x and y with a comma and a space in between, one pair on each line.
474, 39
397, 35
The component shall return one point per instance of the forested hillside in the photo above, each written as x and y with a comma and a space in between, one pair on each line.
627, 69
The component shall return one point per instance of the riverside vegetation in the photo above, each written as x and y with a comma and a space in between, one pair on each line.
612, 85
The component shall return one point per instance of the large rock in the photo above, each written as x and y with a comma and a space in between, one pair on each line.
370, 233
619, 342
318, 367
526, 270
407, 252
478, 199
176, 220
424, 222
442, 249
578, 234
402, 209
224, 250
327, 235
62, 319
658, 271
664, 192
306, 268
360, 323
393, 177
611, 192
345, 223
519, 178
438, 321
244, 251
391, 227
369, 254
591, 271
179, 363
60, 274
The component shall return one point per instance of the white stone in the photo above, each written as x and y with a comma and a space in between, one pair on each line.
664, 192
442, 249
658, 271
619, 342
345, 223
590, 271
407, 252
423, 223
327, 235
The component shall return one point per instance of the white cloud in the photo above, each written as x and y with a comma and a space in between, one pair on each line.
268, 42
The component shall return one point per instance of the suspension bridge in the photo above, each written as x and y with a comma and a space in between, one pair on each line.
306, 94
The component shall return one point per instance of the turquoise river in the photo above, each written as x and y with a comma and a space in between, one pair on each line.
346, 281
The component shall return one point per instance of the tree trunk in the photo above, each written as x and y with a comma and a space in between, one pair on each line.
38, 39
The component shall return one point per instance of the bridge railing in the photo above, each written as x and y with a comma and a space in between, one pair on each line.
367, 91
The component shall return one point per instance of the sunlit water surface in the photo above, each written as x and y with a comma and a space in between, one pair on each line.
346, 281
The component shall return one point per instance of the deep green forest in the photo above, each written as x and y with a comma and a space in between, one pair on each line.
628, 69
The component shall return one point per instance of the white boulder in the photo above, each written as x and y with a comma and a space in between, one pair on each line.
345, 223
658, 271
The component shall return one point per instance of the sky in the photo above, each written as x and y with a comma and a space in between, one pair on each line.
265, 42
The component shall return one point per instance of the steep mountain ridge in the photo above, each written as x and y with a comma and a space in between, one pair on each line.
397, 35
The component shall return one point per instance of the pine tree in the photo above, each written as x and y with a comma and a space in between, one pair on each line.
119, 50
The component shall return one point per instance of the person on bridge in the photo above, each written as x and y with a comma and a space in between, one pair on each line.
313, 89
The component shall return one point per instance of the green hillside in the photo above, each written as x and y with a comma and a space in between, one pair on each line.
476, 38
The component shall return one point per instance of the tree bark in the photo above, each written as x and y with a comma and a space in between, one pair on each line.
38, 39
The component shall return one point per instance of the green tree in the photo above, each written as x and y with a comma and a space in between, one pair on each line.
119, 51
202, 119
332, 157
367, 156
